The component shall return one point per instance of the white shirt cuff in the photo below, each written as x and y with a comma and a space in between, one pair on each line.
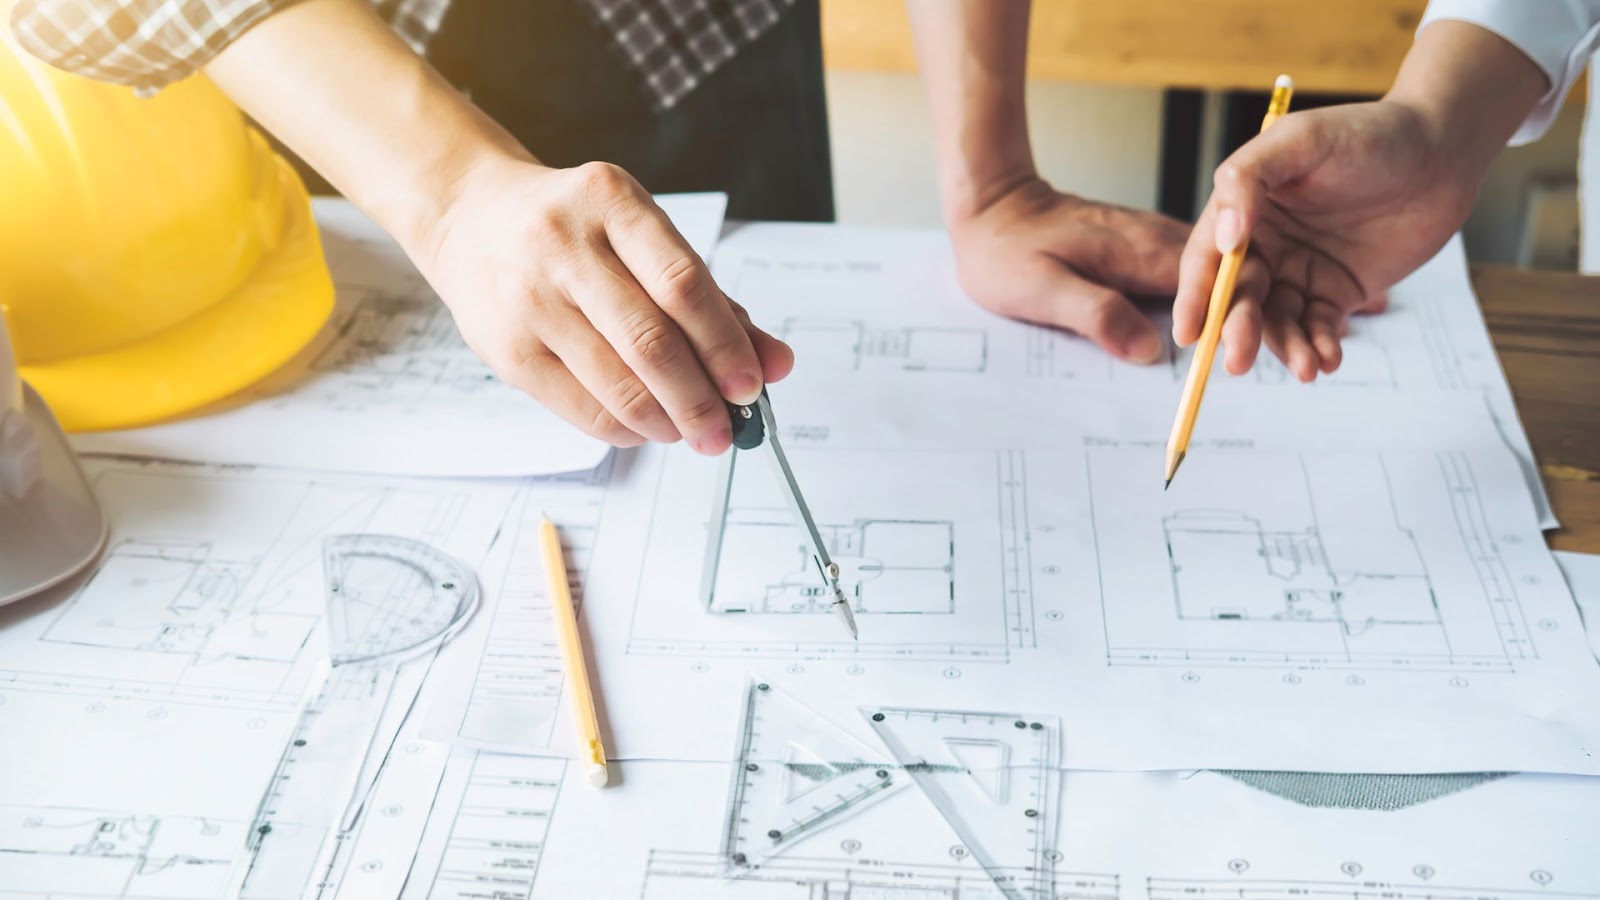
1558, 35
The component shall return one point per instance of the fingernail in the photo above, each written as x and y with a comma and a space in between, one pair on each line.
741, 387
1145, 349
1227, 230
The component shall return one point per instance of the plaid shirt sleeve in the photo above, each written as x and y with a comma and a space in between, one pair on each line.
672, 45
142, 43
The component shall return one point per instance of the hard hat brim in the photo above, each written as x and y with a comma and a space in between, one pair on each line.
55, 529
213, 354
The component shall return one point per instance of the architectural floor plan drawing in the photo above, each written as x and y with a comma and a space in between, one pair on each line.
849, 345
847, 306
186, 605
174, 597
1227, 566
154, 692
900, 283
927, 569
128, 798
1323, 566
886, 565
1122, 836
396, 345
50, 851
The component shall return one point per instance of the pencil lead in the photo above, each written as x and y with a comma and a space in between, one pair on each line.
1167, 485
842, 607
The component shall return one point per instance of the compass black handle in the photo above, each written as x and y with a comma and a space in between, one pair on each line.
748, 430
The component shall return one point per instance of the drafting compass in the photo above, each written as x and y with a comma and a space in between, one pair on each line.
754, 427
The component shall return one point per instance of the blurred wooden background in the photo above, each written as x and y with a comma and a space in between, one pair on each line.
1341, 47
1210, 63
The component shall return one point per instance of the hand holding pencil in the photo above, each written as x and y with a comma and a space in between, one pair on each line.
1205, 353
1341, 202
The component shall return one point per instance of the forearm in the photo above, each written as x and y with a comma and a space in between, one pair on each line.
333, 82
1472, 88
973, 57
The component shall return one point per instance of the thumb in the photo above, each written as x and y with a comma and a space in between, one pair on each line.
1066, 300
1244, 182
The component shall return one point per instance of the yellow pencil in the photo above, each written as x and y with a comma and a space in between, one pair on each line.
1205, 351
555, 567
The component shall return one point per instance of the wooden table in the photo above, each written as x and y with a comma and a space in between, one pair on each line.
1546, 327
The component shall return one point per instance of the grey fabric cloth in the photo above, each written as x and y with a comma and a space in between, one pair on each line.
1369, 792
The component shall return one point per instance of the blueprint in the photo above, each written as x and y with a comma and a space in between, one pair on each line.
454, 824
807, 810
389, 387
886, 304
1069, 682
859, 827
1146, 836
990, 549
145, 705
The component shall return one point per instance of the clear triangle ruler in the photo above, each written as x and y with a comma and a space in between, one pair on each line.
389, 600
796, 774
994, 779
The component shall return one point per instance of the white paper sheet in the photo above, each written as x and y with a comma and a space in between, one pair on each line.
144, 708
523, 826
1583, 577
500, 683
885, 303
389, 387
1157, 835
1330, 561
1318, 574
1344, 581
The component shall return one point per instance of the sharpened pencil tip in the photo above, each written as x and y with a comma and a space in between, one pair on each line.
842, 607
1172, 468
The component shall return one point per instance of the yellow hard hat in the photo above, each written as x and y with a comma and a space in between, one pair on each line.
155, 253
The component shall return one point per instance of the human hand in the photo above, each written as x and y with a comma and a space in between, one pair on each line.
570, 283
1340, 204
1037, 254
575, 288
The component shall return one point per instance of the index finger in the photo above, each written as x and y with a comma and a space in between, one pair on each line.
679, 282
1197, 275
1197, 272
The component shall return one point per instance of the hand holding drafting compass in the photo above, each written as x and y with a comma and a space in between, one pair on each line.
754, 427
